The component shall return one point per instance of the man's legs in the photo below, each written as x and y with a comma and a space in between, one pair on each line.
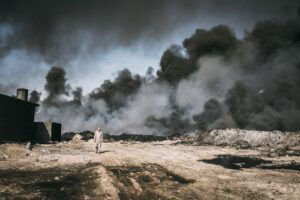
96, 147
100, 144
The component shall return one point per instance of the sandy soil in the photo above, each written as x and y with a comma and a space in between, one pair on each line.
153, 170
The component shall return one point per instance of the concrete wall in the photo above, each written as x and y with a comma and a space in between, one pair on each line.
47, 131
16, 119
56, 132
42, 134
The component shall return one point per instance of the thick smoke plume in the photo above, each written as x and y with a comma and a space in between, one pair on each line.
213, 80
59, 30
116, 93
56, 85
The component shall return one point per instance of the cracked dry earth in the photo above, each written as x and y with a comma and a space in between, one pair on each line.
153, 170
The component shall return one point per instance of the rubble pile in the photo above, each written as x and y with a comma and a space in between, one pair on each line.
273, 143
85, 135
253, 138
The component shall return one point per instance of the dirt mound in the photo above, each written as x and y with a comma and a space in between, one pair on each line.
254, 138
85, 135
284, 143
148, 181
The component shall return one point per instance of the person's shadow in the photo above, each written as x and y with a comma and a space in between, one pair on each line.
106, 151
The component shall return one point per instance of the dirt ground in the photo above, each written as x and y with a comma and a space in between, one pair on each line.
150, 170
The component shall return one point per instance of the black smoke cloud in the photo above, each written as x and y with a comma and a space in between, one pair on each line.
116, 93
220, 40
59, 30
249, 83
52, 28
212, 110
56, 85
268, 88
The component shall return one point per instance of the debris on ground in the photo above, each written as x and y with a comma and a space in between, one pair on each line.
241, 144
77, 137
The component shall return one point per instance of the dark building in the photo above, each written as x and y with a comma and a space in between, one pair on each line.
16, 117
17, 121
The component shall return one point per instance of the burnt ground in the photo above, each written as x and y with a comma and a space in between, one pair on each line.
73, 182
144, 170
240, 162
78, 182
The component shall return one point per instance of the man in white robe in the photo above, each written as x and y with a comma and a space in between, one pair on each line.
98, 139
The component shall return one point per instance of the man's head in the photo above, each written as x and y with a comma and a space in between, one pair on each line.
99, 128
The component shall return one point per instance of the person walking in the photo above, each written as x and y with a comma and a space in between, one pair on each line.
98, 139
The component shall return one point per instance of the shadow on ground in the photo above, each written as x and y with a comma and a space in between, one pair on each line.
106, 151
239, 162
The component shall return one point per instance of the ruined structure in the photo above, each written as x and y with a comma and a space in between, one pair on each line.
16, 117
47, 131
17, 121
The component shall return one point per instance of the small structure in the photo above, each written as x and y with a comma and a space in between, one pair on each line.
47, 131
17, 121
16, 117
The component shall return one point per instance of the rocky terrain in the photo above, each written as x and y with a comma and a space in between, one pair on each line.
228, 164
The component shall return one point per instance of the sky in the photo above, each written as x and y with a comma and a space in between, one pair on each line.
93, 40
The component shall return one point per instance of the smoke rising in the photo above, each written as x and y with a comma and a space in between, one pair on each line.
59, 30
216, 78
34, 96
116, 93
244, 84
56, 85
213, 80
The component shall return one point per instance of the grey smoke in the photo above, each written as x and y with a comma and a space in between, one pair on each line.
251, 83
56, 85
116, 92
214, 79
8, 88
59, 30
34, 96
